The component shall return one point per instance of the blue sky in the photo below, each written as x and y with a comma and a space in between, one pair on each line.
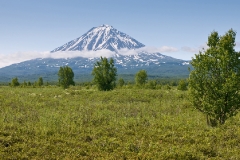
29, 27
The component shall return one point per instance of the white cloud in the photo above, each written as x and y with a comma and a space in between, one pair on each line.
163, 49
194, 50
85, 54
8, 59
189, 49
168, 49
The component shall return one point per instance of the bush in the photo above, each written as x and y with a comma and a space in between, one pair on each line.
152, 84
182, 85
121, 82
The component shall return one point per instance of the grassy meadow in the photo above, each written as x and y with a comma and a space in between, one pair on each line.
126, 123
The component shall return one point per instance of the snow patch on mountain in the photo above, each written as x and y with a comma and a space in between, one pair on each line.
102, 37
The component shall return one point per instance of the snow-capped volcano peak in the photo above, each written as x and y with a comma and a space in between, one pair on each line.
102, 37
106, 25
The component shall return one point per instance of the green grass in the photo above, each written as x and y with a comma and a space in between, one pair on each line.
80, 123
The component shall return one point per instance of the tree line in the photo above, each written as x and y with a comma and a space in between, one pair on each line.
15, 82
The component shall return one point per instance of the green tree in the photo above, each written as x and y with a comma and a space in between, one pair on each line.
182, 85
121, 82
24, 83
35, 84
214, 80
65, 77
152, 84
29, 83
15, 82
105, 73
141, 78
40, 81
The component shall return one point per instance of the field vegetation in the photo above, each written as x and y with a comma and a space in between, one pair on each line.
80, 122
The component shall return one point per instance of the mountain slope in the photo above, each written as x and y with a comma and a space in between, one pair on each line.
102, 37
